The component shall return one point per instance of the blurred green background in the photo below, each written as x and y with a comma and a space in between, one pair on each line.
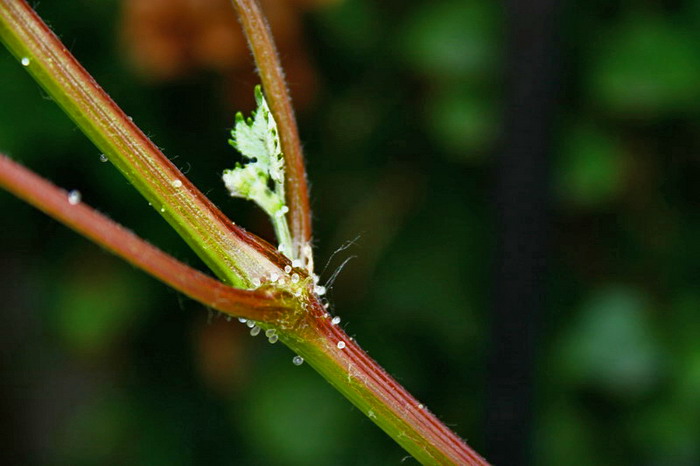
401, 111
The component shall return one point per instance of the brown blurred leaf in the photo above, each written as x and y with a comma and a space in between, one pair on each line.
169, 39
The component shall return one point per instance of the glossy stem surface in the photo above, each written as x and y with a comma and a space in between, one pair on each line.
233, 254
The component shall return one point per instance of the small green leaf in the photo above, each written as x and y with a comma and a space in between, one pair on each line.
257, 139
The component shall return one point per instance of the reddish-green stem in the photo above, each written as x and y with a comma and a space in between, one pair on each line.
261, 305
233, 254
265, 53
357, 376
230, 251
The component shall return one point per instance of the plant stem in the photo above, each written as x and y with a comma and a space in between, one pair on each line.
338, 358
313, 336
265, 53
260, 305
233, 254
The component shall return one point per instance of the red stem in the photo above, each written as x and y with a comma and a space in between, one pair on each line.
263, 47
260, 305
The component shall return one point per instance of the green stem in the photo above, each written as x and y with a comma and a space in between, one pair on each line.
283, 235
234, 255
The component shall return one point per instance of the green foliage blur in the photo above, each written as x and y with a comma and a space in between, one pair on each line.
100, 364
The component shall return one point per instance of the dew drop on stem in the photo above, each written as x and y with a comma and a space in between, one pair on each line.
297, 360
25, 61
254, 331
103, 158
74, 197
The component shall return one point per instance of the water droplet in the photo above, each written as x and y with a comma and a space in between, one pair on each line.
297, 360
255, 331
103, 158
287, 268
74, 197
296, 263
273, 339
335, 320
242, 320
420, 406
162, 209
341, 344
250, 324
295, 278
269, 332
177, 184
25, 61
274, 277
256, 282
320, 290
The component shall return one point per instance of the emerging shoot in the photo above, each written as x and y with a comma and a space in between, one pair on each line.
261, 179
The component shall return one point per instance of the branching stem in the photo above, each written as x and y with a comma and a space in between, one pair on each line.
234, 255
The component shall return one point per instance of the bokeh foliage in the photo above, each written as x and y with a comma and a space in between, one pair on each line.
401, 126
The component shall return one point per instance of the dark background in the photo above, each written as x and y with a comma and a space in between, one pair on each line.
520, 184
